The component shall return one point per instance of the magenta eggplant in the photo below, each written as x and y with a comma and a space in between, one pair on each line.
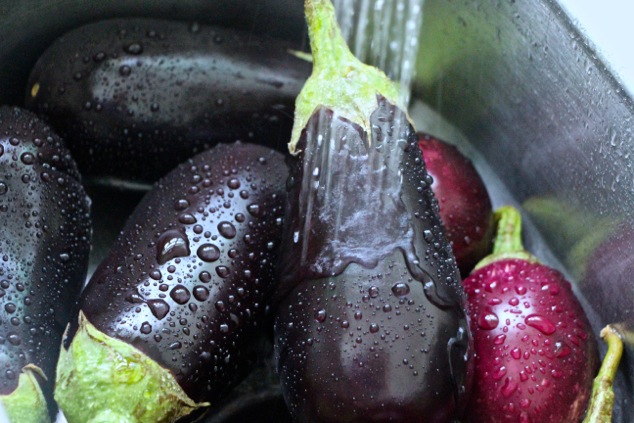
464, 202
535, 352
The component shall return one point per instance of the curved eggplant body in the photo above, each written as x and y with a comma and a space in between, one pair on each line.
136, 97
188, 280
44, 246
374, 327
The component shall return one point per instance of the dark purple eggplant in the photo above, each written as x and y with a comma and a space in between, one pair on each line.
135, 97
44, 246
168, 320
372, 323
465, 205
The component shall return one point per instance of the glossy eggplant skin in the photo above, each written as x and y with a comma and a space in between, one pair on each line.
188, 280
44, 244
373, 327
135, 97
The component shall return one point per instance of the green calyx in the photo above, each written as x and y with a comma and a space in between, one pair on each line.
101, 379
508, 238
339, 81
27, 403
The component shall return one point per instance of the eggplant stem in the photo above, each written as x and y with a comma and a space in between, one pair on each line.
602, 398
508, 238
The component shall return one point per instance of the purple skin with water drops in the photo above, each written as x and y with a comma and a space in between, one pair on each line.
188, 280
535, 353
44, 244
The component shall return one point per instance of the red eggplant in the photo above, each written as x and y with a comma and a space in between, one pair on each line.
134, 97
372, 324
535, 352
169, 319
44, 245
465, 205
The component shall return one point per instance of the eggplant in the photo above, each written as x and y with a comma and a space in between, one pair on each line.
135, 97
535, 351
372, 324
44, 248
169, 320
464, 202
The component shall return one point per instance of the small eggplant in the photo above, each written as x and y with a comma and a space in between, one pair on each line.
135, 97
535, 352
372, 323
44, 246
465, 205
168, 319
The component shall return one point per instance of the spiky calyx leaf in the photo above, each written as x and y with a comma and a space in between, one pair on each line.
102, 379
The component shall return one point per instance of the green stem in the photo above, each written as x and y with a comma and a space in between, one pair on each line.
602, 399
339, 82
328, 46
508, 239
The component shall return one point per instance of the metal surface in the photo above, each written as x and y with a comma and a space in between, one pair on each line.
515, 77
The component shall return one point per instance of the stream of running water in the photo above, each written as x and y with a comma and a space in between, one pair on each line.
385, 34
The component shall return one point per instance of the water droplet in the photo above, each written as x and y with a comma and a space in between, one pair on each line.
562, 350
208, 253
227, 230
204, 276
516, 353
155, 274
180, 294
10, 308
64, 257
187, 219
3, 188
400, 289
220, 306
222, 271
125, 70
146, 328
499, 340
27, 158
540, 323
134, 48
224, 328
255, 210
172, 244
14, 339
201, 293
194, 27
373, 291
509, 387
233, 183
181, 204
159, 308
488, 320
320, 315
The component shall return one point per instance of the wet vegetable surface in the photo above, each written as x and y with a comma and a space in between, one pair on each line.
535, 353
135, 97
187, 282
465, 206
372, 324
44, 216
